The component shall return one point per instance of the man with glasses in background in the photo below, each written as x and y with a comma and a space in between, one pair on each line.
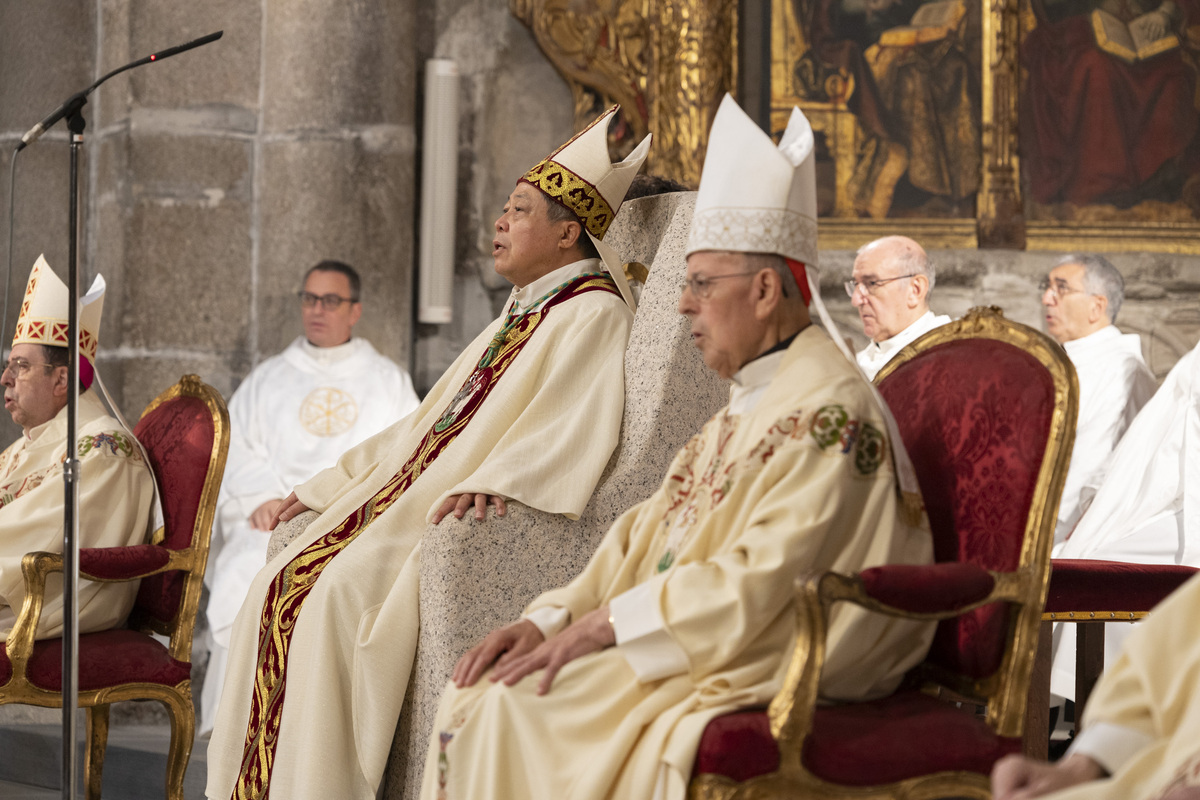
890, 287
1080, 298
295, 414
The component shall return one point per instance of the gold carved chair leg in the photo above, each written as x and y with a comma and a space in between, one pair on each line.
183, 731
97, 737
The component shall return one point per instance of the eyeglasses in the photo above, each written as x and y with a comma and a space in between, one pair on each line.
20, 366
869, 286
1058, 288
701, 287
329, 302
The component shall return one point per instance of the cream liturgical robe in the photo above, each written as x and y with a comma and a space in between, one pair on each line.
322, 649
294, 415
1114, 384
116, 491
794, 475
876, 355
1142, 723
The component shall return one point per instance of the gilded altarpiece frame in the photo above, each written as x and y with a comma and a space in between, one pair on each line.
950, 177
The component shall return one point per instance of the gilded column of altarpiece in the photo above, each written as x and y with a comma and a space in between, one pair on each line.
667, 63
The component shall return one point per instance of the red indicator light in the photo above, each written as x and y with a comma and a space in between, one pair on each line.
153, 58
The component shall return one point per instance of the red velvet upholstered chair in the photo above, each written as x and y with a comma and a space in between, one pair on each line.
987, 410
186, 433
1089, 594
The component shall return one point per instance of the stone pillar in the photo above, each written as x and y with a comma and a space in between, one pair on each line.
216, 177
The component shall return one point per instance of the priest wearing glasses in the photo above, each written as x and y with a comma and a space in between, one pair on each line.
293, 415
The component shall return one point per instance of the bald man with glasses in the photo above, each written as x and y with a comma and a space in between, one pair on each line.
295, 414
890, 289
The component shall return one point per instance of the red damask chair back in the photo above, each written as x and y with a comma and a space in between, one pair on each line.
975, 414
182, 435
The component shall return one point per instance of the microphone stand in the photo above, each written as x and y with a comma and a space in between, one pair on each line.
72, 110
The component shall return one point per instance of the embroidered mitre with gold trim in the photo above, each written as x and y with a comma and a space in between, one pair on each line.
43, 318
581, 177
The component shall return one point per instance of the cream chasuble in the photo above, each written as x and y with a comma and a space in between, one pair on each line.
791, 477
540, 434
1143, 721
294, 415
115, 495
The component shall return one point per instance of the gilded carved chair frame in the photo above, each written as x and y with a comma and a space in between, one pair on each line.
1004, 692
177, 699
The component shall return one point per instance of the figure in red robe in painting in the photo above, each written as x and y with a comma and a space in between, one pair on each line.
1096, 128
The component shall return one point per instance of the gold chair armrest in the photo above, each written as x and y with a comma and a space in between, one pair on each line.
34, 568
182, 560
791, 711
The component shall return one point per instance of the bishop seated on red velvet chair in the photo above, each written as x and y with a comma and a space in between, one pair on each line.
116, 489
987, 409
186, 434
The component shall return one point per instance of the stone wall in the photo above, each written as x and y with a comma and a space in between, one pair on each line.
213, 179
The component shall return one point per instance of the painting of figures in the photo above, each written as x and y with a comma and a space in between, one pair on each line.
892, 88
1108, 111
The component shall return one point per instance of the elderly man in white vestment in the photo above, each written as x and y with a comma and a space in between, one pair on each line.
530, 412
1080, 298
1141, 738
890, 288
116, 489
686, 609
295, 414
1146, 510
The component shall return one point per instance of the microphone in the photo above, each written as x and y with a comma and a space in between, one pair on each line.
79, 99
73, 104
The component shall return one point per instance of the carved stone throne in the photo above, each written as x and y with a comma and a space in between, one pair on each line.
476, 576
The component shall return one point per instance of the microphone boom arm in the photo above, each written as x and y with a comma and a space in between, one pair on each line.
77, 100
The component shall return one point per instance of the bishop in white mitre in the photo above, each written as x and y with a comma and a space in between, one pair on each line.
686, 609
116, 487
295, 414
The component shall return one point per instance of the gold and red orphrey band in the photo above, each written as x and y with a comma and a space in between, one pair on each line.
291, 586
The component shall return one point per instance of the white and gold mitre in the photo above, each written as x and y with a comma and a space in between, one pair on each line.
581, 176
755, 197
43, 317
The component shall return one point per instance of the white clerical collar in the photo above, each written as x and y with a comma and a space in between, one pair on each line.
328, 355
888, 347
750, 382
1101, 338
528, 296
36, 431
